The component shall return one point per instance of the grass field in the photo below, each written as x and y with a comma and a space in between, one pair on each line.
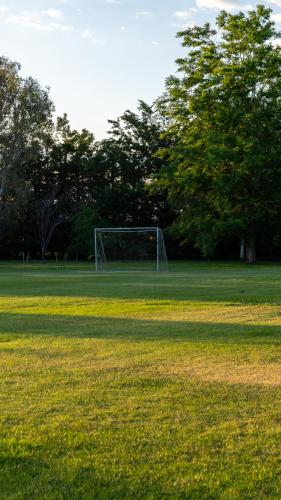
140, 385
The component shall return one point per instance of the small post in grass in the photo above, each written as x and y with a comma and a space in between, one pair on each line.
57, 263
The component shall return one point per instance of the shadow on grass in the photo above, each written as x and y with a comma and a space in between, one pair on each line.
32, 478
199, 282
19, 325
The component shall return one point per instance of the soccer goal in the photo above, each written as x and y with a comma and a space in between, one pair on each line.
130, 249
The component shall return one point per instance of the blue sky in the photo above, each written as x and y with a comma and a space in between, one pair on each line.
100, 56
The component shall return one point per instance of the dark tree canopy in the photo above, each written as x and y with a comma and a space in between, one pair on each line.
125, 165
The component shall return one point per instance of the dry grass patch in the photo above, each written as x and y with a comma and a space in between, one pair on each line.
229, 372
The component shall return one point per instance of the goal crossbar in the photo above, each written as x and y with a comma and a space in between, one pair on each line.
126, 229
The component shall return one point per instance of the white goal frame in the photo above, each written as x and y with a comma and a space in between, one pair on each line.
156, 231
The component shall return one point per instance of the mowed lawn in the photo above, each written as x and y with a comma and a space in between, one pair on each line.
140, 385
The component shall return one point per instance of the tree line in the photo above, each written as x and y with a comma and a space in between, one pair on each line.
203, 161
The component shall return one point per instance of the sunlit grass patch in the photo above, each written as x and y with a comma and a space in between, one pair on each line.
196, 311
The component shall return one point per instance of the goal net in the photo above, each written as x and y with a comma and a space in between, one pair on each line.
130, 249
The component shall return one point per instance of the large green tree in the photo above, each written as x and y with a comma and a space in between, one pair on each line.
224, 107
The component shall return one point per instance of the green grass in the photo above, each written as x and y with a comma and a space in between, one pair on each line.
140, 385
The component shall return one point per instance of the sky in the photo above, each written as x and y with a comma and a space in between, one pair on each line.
100, 56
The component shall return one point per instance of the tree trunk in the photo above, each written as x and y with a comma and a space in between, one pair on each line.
43, 254
251, 250
242, 249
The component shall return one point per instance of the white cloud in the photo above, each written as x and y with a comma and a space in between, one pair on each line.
182, 14
144, 13
276, 17
55, 13
218, 4
276, 43
61, 27
115, 2
225, 5
186, 17
88, 35
275, 2
49, 20
39, 20
156, 44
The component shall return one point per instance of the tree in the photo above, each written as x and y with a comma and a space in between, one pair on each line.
124, 166
25, 120
82, 232
70, 156
59, 162
224, 171
48, 218
25, 114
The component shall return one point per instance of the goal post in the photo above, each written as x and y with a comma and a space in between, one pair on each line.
130, 249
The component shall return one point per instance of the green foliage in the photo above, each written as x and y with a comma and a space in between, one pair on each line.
25, 120
82, 232
210, 147
70, 155
124, 166
224, 174
105, 182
